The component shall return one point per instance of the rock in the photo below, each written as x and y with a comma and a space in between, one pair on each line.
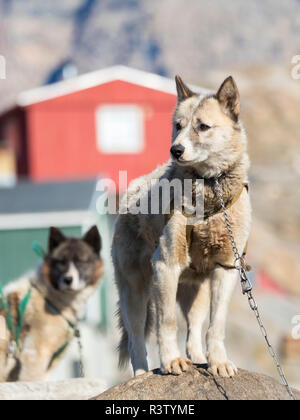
73, 389
198, 384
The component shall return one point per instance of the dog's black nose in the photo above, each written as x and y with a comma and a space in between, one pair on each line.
68, 281
177, 151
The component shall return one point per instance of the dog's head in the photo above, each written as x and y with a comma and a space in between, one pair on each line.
207, 132
73, 264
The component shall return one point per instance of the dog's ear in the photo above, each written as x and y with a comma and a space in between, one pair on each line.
183, 91
229, 98
93, 238
56, 237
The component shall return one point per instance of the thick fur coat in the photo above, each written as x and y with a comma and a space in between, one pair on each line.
156, 264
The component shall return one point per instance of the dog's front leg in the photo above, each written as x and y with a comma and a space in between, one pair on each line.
169, 261
34, 361
222, 284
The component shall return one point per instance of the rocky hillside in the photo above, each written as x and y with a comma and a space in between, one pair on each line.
163, 36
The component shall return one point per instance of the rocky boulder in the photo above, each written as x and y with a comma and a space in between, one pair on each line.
198, 384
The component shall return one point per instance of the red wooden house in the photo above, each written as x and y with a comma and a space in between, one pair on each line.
96, 124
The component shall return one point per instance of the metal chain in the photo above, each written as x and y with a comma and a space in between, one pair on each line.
247, 288
77, 334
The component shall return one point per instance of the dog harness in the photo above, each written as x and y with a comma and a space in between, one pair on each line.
15, 330
73, 331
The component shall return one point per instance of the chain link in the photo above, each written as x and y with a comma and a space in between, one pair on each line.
247, 287
77, 334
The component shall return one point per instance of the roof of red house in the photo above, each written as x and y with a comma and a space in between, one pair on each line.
90, 80
29, 197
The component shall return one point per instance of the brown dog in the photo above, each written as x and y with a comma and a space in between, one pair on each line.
56, 296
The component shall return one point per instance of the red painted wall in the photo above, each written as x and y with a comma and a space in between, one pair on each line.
62, 141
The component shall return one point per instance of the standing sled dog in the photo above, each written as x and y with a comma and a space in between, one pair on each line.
160, 260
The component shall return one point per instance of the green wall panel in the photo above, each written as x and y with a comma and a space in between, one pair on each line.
16, 255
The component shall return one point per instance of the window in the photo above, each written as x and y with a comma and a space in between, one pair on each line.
120, 129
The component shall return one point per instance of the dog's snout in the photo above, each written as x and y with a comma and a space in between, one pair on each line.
177, 151
68, 281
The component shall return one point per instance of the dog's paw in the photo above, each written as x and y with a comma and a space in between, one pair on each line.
197, 358
177, 366
224, 369
140, 372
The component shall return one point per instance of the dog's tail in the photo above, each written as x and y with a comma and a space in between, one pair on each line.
150, 320
123, 347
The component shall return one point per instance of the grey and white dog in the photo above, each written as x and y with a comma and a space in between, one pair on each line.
157, 263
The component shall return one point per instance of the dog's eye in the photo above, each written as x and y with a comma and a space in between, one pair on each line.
57, 261
61, 264
203, 127
80, 260
178, 126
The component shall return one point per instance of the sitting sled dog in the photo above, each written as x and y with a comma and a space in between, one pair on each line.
159, 259
43, 309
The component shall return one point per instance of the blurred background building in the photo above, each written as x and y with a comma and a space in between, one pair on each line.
74, 69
